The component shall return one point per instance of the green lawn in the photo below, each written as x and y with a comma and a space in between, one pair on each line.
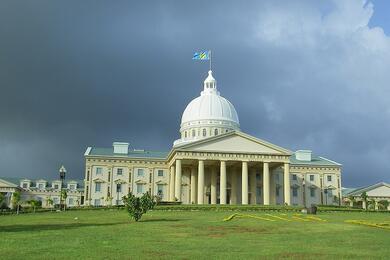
190, 235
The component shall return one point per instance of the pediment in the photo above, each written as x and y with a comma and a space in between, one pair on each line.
381, 191
140, 182
4, 183
235, 142
98, 180
161, 182
377, 190
119, 181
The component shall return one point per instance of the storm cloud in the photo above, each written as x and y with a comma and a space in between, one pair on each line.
301, 74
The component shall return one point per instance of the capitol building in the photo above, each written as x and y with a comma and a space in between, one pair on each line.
213, 162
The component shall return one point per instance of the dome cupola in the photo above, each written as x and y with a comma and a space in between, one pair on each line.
208, 115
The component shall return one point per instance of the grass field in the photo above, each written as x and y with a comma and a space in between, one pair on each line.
109, 234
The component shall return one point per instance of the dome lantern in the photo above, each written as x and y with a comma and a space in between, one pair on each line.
210, 84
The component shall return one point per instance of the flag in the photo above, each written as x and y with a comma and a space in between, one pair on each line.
204, 55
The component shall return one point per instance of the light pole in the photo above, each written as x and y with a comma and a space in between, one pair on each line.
62, 177
304, 193
326, 196
118, 186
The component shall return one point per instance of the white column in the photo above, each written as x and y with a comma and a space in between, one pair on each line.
178, 180
233, 191
213, 188
364, 204
253, 185
287, 185
244, 183
266, 182
193, 185
200, 182
222, 184
172, 184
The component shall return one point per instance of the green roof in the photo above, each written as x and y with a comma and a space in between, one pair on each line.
131, 154
16, 181
315, 160
346, 191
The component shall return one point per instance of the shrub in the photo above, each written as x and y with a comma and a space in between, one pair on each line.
137, 206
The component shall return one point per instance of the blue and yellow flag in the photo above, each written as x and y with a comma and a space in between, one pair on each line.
204, 55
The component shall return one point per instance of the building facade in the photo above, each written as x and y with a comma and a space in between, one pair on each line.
213, 162
43, 191
378, 197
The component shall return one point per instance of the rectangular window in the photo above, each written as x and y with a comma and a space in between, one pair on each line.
160, 173
99, 170
40, 186
277, 191
140, 188
140, 173
24, 185
160, 190
294, 177
56, 186
55, 201
276, 177
72, 187
119, 187
98, 187
312, 192
311, 177
119, 171
70, 202
329, 177
97, 202
295, 192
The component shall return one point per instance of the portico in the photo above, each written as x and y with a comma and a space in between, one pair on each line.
227, 177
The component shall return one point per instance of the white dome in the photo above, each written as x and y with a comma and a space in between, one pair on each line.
207, 115
209, 107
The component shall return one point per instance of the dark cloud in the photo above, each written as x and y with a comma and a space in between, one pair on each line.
304, 75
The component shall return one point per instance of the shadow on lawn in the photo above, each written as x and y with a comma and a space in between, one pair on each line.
162, 220
40, 227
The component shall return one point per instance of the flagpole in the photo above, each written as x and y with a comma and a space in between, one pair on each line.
210, 59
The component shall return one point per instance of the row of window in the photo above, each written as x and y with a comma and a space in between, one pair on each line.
311, 177
119, 171
42, 186
204, 132
140, 188
294, 192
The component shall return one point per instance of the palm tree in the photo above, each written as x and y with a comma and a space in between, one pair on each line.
64, 195
50, 202
2, 198
33, 203
352, 199
15, 200
364, 196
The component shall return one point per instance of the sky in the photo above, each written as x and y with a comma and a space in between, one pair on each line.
301, 74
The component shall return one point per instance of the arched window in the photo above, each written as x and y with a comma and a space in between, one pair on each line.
215, 131
204, 132
193, 132
185, 134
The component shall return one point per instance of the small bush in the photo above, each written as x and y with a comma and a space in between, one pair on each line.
137, 206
